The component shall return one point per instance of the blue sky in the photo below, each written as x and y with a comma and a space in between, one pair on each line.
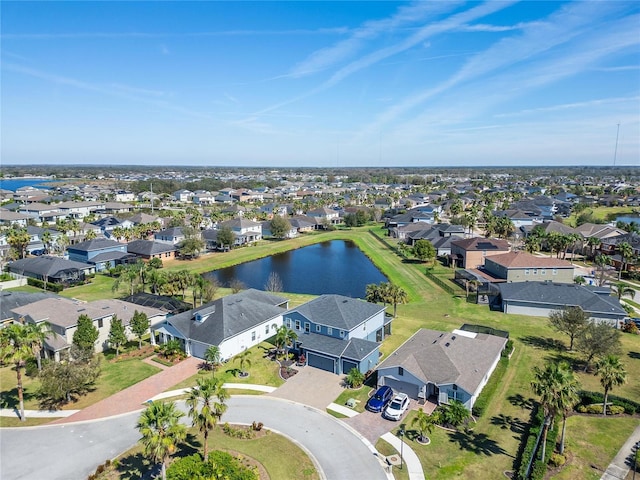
321, 84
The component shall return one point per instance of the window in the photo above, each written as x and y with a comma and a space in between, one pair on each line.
554, 271
253, 336
484, 253
307, 327
266, 329
342, 333
400, 371
100, 324
543, 271
535, 271
526, 271
297, 324
318, 328
329, 331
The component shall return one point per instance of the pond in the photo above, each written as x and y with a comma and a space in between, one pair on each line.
328, 267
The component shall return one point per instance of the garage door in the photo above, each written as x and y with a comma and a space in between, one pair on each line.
402, 387
320, 362
347, 366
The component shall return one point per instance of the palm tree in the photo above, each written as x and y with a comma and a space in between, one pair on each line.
456, 413
199, 286
620, 289
204, 410
47, 240
567, 396
626, 252
425, 424
612, 374
212, 356
161, 432
601, 262
16, 347
38, 332
396, 295
284, 337
244, 360
18, 238
593, 242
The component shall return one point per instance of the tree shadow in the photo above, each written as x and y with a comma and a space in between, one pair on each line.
133, 467
477, 443
190, 446
544, 343
9, 398
634, 355
518, 400
505, 422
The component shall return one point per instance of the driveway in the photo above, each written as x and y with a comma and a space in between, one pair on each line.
73, 451
311, 386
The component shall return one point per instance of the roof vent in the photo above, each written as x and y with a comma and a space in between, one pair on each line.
447, 344
453, 337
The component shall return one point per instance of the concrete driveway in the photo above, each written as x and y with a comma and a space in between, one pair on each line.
311, 386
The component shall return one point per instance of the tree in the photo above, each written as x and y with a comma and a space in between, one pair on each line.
621, 289
204, 410
212, 357
274, 283
612, 374
280, 226
191, 247
236, 285
129, 276
226, 237
424, 423
161, 432
566, 397
244, 361
571, 321
424, 250
602, 261
199, 288
455, 413
373, 293
597, 340
38, 332
61, 381
15, 348
284, 337
18, 239
544, 384
155, 262
86, 334
396, 295
117, 334
626, 252
139, 325
355, 378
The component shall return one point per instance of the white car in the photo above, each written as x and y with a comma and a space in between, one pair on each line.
397, 407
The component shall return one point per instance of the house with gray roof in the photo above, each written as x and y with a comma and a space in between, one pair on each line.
148, 249
338, 333
541, 298
101, 252
12, 299
442, 366
52, 269
233, 323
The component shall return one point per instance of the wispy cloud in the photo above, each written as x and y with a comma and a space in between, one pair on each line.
571, 106
483, 27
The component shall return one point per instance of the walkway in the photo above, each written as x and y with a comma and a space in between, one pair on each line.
133, 398
623, 461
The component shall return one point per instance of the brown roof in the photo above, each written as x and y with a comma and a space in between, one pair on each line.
526, 260
481, 244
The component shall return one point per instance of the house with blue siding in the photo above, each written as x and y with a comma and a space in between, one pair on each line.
101, 252
338, 333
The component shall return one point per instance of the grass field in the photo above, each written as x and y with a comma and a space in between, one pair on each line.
492, 446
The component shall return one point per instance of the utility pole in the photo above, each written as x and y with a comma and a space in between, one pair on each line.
615, 152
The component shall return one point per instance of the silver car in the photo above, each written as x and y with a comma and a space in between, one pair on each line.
397, 407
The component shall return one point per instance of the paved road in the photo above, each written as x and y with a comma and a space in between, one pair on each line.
72, 451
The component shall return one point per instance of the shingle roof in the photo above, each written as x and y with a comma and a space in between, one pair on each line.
338, 311
229, 316
481, 244
46, 266
10, 300
95, 244
591, 299
526, 260
447, 358
353, 349
149, 247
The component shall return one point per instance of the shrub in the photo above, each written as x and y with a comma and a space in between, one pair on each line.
588, 398
596, 408
557, 460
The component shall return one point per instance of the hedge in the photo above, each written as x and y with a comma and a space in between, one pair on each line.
589, 398
528, 447
52, 287
490, 388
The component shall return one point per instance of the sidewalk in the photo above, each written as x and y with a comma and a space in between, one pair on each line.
622, 462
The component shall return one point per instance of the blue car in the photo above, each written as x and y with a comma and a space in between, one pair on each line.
380, 399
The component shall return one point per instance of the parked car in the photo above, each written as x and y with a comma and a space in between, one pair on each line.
397, 407
380, 399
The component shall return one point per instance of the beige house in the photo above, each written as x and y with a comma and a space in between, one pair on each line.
62, 316
472, 252
524, 267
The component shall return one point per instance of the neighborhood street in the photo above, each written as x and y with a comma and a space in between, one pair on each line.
72, 451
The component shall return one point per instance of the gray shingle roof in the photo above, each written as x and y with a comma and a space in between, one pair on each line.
148, 247
558, 295
447, 358
11, 300
353, 349
47, 266
229, 316
338, 311
95, 244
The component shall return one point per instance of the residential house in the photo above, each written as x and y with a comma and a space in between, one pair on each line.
338, 333
148, 249
541, 298
324, 215
524, 267
442, 366
9, 300
7, 217
79, 210
440, 235
62, 316
246, 231
101, 252
52, 269
233, 323
183, 195
266, 230
43, 213
473, 252
108, 224
171, 235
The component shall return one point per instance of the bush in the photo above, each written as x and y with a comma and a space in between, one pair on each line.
51, 287
596, 408
219, 465
557, 460
588, 398
528, 444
